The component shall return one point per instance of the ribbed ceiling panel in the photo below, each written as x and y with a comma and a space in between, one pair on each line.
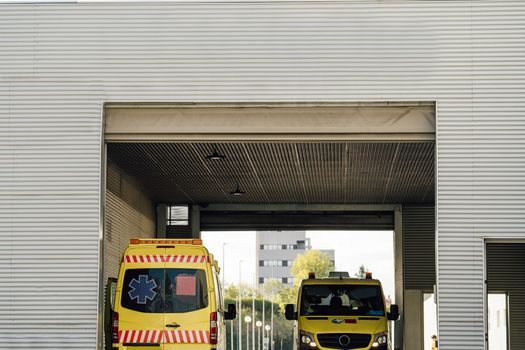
303, 173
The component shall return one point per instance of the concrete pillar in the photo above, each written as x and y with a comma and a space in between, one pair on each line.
399, 281
195, 218
413, 320
162, 220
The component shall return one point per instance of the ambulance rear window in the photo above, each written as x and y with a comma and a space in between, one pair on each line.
164, 290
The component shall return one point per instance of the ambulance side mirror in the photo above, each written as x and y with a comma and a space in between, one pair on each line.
109, 306
393, 315
231, 314
289, 312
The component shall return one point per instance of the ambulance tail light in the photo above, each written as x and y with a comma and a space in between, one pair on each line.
213, 328
114, 327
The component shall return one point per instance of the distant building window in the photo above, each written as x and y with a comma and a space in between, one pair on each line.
284, 263
272, 263
278, 246
271, 247
178, 215
261, 262
268, 279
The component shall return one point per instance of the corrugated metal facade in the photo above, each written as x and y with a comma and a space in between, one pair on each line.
60, 62
506, 274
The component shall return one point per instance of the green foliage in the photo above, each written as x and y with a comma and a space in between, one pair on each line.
311, 261
232, 291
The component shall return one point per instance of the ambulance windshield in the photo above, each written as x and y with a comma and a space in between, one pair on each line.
344, 300
164, 290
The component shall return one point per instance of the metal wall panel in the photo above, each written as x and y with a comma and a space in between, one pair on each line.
506, 273
49, 214
466, 55
419, 245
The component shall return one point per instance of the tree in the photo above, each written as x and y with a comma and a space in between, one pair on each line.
312, 261
272, 288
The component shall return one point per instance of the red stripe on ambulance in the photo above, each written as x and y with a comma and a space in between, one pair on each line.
166, 258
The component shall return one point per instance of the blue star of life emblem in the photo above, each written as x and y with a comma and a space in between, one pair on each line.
142, 289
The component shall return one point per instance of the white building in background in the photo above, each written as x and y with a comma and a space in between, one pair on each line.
276, 252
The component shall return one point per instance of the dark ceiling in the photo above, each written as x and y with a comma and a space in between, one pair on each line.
281, 172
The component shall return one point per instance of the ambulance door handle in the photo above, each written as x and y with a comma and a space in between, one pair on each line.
174, 325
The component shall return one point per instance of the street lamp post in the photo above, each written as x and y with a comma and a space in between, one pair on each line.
239, 328
223, 269
271, 322
258, 324
253, 312
248, 319
267, 335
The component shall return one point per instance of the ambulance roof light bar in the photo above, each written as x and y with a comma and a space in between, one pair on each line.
368, 275
165, 241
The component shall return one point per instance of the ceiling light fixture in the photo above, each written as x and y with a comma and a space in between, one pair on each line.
237, 192
215, 156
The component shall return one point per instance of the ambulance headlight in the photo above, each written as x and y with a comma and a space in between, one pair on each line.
379, 339
308, 340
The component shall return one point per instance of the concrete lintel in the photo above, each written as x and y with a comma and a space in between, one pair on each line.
267, 137
299, 207
381, 121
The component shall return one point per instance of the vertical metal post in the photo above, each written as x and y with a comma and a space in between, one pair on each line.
263, 317
253, 315
231, 335
223, 271
271, 316
271, 324
247, 335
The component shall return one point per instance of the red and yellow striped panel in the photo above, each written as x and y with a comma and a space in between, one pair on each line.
201, 337
163, 336
166, 258
141, 336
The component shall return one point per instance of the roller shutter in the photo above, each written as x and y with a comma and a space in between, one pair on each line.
419, 247
506, 273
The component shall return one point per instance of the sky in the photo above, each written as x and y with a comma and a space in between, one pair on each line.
374, 249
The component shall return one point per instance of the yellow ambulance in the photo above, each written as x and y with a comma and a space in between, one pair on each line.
168, 297
341, 313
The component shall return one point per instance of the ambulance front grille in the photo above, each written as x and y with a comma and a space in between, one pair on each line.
334, 340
